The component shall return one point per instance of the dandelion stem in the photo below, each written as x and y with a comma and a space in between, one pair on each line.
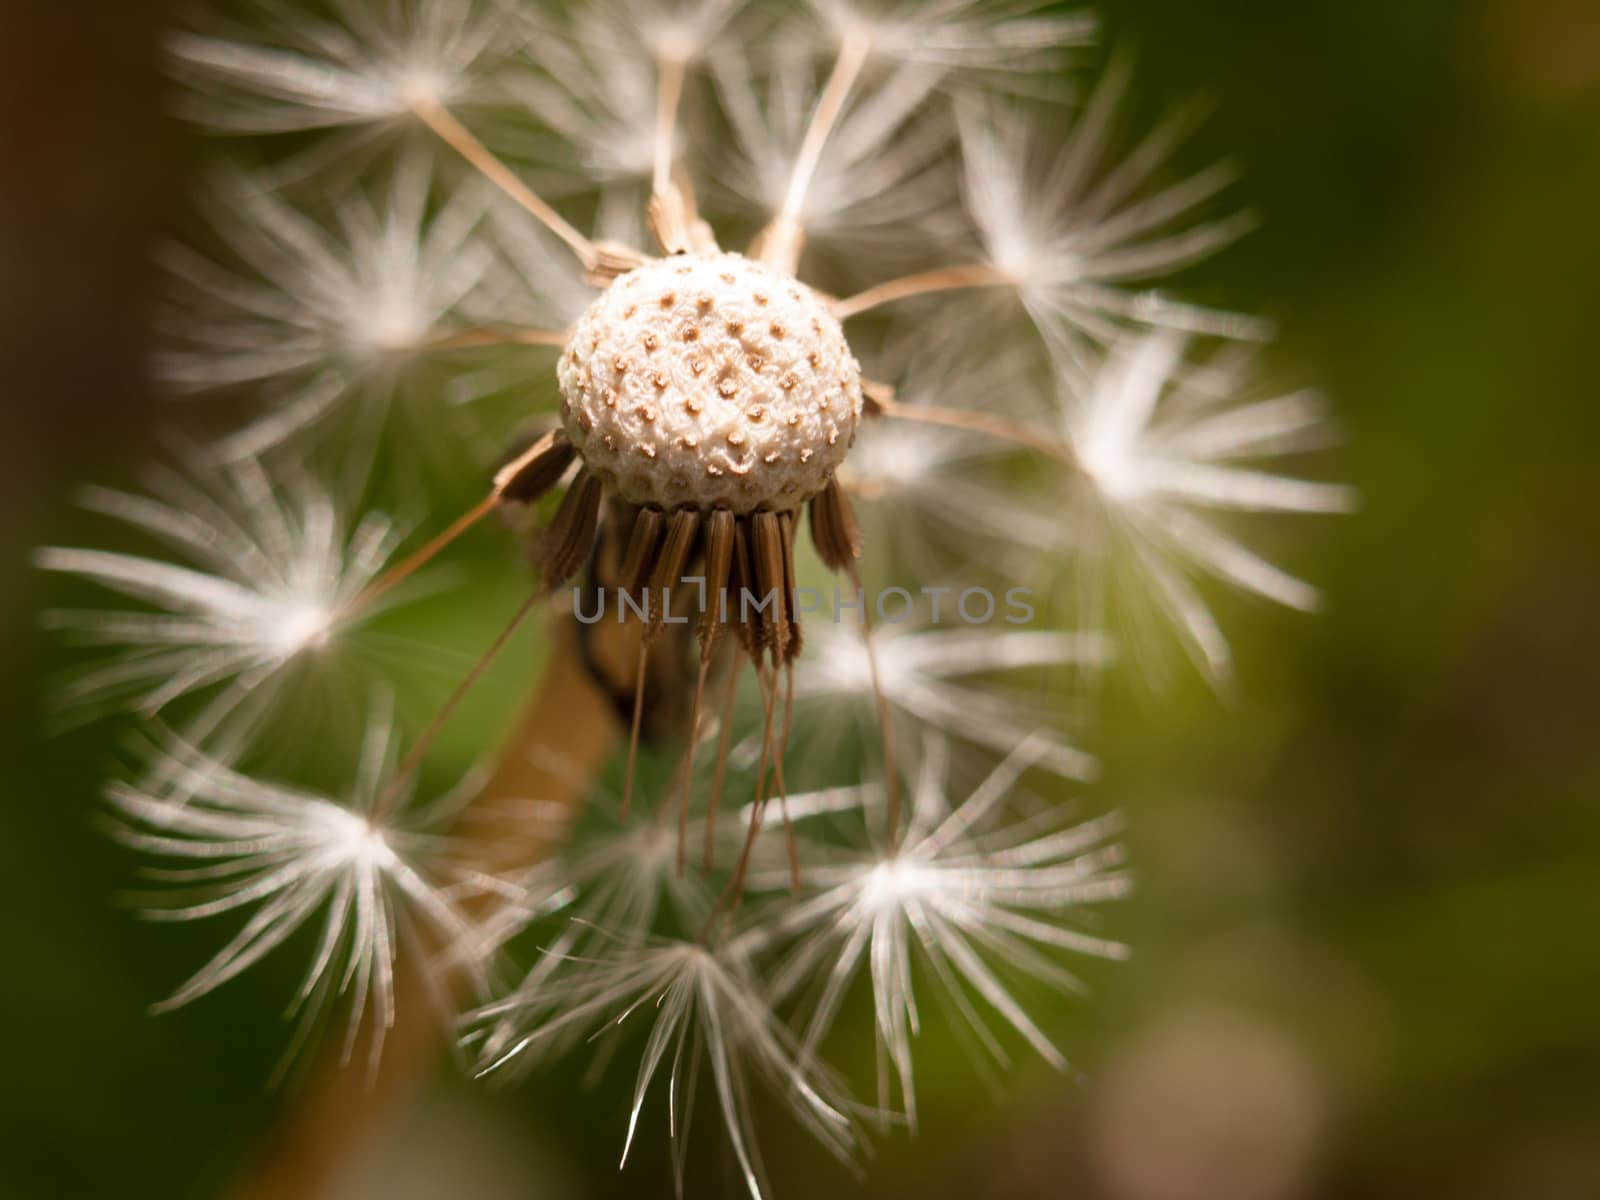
566, 733
460, 139
943, 279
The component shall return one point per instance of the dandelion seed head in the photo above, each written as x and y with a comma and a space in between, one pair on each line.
941, 498
846, 664
394, 323
594, 78
1113, 464
417, 85
948, 501
363, 842
900, 459
681, 31
855, 135
710, 380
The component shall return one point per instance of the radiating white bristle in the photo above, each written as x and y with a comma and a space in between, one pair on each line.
981, 900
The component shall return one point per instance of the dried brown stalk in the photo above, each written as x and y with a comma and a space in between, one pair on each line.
558, 746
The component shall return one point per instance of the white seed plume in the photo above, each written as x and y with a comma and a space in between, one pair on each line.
975, 897
709, 1013
939, 499
287, 71
1079, 236
881, 182
594, 80
931, 677
604, 886
613, 882
320, 315
1160, 445
932, 497
1015, 44
290, 858
263, 581
534, 282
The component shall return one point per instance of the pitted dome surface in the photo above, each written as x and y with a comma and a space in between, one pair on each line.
711, 381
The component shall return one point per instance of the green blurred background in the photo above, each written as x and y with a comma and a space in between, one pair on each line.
1368, 931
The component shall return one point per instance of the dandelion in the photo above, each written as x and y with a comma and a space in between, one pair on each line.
973, 896
291, 858
709, 1014
1160, 447
690, 409
265, 596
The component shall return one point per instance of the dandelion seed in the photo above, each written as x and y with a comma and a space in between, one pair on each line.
1077, 238
940, 497
973, 896
369, 882
595, 81
932, 491
607, 884
883, 180
325, 315
1007, 44
1160, 447
534, 283
260, 601
709, 1014
614, 882
365, 68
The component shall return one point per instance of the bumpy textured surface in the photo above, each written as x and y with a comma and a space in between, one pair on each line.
710, 381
